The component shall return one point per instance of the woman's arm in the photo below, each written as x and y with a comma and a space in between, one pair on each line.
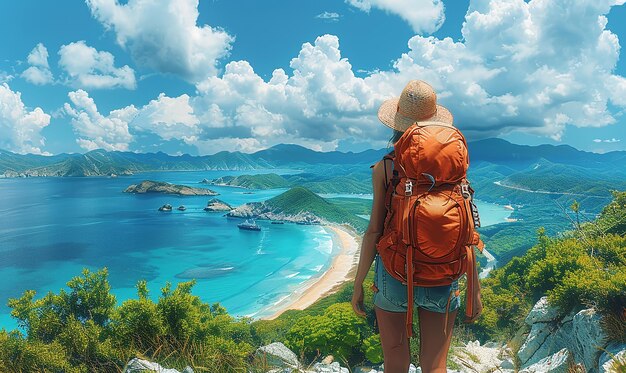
372, 234
377, 220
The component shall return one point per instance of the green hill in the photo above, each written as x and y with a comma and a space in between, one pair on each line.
328, 180
581, 267
260, 181
300, 199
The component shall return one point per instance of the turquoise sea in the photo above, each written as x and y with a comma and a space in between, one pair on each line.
51, 228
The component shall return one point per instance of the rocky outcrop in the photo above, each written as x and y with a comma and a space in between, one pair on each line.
281, 359
482, 359
217, 205
149, 186
261, 211
556, 363
278, 355
137, 365
542, 312
578, 333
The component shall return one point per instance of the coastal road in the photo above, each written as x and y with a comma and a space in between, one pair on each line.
499, 183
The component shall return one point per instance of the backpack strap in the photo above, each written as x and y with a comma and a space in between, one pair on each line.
389, 156
389, 191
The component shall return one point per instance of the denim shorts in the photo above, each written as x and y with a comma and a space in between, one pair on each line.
391, 295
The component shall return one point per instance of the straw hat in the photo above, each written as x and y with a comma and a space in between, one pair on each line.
417, 103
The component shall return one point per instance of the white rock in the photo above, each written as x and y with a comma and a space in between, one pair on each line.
542, 312
329, 368
535, 339
412, 369
560, 337
614, 352
476, 358
137, 365
557, 363
277, 354
588, 338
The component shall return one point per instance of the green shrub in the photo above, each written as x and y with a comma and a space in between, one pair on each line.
372, 349
20, 355
137, 324
338, 331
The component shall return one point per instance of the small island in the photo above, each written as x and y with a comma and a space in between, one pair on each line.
217, 205
301, 206
166, 207
149, 186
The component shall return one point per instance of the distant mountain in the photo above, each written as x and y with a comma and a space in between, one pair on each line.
344, 183
101, 162
503, 152
289, 154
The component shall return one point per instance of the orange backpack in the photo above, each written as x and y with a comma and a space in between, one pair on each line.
429, 234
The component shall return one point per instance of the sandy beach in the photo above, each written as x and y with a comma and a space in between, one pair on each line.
342, 268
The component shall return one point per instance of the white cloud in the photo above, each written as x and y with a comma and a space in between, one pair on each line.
321, 102
424, 16
39, 71
163, 35
520, 67
89, 68
329, 16
5, 77
170, 118
610, 141
20, 129
38, 56
95, 130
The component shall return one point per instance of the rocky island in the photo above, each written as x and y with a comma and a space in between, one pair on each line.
149, 186
217, 205
299, 205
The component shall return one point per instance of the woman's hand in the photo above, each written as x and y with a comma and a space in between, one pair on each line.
357, 299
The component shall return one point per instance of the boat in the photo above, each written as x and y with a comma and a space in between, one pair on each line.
182, 208
246, 225
278, 222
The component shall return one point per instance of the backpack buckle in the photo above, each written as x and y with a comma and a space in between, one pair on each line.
408, 188
465, 191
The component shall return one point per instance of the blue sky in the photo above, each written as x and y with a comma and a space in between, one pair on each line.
186, 77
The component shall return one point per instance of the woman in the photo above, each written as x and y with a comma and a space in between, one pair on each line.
417, 103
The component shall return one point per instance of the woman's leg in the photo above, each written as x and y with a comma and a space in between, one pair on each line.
393, 340
434, 344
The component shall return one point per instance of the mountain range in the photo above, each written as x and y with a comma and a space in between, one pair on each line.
101, 162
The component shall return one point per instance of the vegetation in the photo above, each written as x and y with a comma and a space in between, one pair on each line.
322, 182
586, 267
82, 329
260, 181
299, 199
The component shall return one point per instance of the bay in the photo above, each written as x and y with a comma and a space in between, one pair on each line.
52, 228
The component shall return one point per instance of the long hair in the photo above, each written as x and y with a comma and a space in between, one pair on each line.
395, 136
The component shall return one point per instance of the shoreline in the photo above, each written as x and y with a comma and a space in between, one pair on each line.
342, 268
